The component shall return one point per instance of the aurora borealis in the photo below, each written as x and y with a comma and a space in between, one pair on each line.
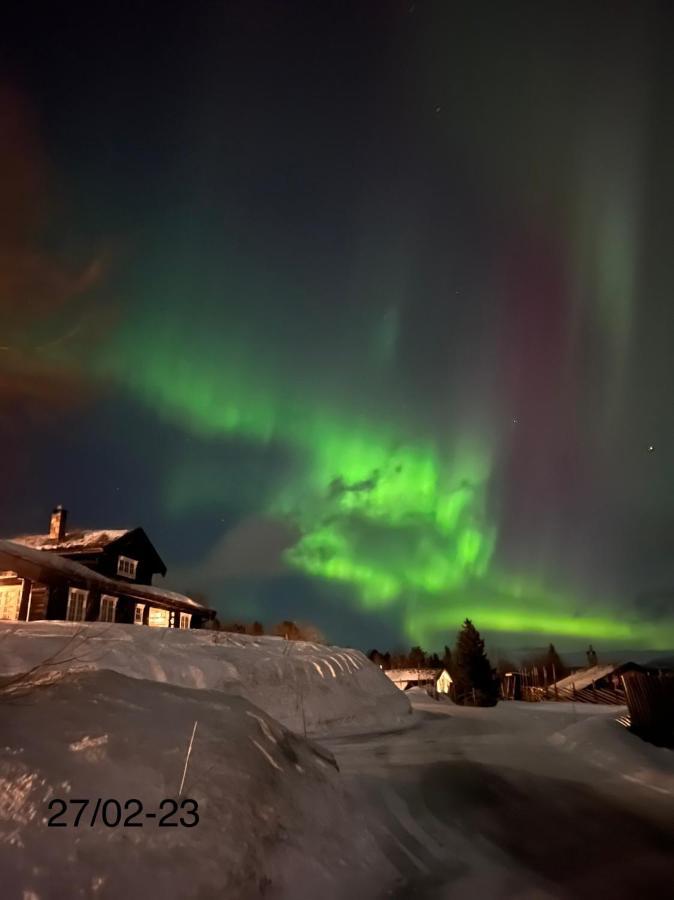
364, 314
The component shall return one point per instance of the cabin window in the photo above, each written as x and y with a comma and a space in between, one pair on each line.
138, 614
108, 606
77, 605
185, 620
126, 567
158, 618
10, 601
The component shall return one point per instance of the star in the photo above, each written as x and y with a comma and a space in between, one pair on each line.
651, 448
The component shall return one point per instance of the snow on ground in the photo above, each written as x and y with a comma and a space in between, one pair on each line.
518, 801
521, 801
274, 819
608, 745
307, 687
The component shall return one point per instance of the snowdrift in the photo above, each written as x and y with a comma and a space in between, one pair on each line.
274, 820
606, 743
310, 688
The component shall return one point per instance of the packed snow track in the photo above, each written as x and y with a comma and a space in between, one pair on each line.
519, 801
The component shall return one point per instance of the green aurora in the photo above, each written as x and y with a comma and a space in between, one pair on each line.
389, 326
405, 524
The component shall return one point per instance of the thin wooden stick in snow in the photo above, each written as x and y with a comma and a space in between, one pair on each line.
187, 758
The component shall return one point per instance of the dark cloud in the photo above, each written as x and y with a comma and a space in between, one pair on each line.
252, 548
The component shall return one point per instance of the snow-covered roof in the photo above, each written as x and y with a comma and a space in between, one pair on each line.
411, 674
12, 553
81, 539
584, 678
150, 592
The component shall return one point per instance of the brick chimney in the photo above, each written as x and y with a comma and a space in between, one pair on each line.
57, 525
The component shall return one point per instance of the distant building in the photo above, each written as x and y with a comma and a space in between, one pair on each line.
595, 684
90, 575
405, 678
443, 683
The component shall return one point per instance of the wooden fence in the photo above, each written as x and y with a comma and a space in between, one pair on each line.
650, 699
526, 688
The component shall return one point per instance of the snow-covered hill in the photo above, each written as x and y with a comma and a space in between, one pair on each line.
309, 688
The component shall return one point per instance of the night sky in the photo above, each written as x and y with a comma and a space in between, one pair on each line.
364, 311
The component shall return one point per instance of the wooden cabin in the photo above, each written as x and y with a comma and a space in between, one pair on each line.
89, 576
126, 554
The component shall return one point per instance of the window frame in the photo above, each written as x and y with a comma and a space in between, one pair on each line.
127, 567
187, 617
72, 591
110, 598
139, 608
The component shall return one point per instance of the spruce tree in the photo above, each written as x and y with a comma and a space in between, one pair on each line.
555, 669
447, 659
474, 679
417, 658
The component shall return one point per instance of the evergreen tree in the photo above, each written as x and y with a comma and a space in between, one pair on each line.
287, 629
474, 679
417, 658
548, 667
555, 668
446, 660
376, 657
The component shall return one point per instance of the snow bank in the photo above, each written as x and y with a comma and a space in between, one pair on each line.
604, 742
307, 687
273, 817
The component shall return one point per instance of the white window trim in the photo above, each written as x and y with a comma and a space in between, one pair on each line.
127, 567
185, 620
71, 592
114, 607
138, 614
